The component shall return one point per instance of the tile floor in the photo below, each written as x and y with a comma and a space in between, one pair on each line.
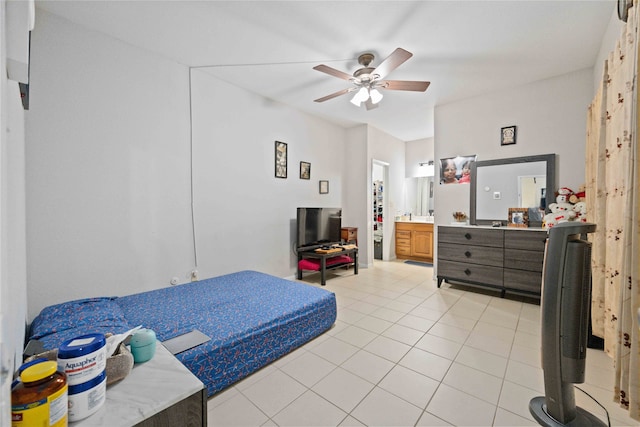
405, 353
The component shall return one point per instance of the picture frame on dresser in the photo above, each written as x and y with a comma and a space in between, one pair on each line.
518, 217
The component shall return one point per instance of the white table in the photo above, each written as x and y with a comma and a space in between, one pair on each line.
160, 392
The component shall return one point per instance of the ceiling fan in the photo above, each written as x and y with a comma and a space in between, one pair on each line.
367, 80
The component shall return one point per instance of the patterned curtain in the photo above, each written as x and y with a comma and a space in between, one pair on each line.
613, 188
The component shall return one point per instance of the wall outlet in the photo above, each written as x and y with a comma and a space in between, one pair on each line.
174, 281
194, 275
497, 195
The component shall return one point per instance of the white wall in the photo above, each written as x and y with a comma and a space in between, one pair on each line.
611, 36
245, 217
13, 291
109, 172
356, 185
550, 116
390, 150
108, 185
420, 150
14, 273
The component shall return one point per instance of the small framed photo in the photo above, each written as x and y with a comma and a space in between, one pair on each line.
324, 187
305, 170
508, 135
518, 217
281, 159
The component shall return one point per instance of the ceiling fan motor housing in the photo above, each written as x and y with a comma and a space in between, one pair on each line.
365, 74
365, 59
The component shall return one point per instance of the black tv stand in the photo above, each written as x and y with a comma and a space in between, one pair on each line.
323, 258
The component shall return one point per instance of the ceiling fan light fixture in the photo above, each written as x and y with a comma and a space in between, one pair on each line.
361, 96
376, 96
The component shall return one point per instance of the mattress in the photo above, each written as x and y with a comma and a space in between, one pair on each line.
252, 318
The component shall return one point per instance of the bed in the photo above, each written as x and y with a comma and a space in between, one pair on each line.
252, 318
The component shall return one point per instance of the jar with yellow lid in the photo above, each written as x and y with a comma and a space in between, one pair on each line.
40, 398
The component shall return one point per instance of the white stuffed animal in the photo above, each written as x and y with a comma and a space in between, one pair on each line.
560, 212
580, 209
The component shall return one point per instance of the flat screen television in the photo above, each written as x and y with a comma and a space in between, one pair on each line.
318, 226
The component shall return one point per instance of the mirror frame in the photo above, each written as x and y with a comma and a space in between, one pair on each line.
550, 160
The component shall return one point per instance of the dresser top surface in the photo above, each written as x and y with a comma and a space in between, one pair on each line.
489, 227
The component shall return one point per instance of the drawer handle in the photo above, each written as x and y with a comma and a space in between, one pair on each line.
467, 272
467, 254
467, 236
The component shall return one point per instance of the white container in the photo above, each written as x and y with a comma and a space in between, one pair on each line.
87, 398
83, 358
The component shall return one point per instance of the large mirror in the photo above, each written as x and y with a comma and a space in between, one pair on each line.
419, 196
517, 182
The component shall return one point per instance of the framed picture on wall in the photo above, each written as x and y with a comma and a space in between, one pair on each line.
281, 159
456, 170
508, 135
305, 170
324, 187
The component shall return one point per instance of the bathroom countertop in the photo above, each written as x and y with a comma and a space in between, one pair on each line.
416, 221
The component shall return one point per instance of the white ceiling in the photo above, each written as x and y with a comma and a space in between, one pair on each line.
464, 48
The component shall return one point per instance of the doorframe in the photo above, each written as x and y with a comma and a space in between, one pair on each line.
386, 226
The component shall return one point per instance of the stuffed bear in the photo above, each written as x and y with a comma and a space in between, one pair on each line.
579, 196
580, 209
563, 195
560, 212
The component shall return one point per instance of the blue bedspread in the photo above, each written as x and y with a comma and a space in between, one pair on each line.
252, 318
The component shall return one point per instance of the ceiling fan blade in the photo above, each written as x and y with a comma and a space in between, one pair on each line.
333, 95
333, 72
404, 85
370, 105
392, 62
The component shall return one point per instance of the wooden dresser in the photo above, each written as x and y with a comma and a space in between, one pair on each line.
507, 259
414, 240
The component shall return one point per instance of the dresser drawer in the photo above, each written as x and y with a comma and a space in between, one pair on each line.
523, 260
528, 240
471, 254
470, 272
472, 236
528, 281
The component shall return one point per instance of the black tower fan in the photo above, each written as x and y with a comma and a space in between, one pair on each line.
566, 298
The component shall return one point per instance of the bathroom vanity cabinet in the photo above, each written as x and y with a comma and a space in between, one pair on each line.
414, 240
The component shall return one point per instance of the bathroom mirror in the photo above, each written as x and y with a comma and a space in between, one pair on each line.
517, 182
419, 195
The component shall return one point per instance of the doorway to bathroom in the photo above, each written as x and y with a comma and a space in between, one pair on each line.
379, 208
